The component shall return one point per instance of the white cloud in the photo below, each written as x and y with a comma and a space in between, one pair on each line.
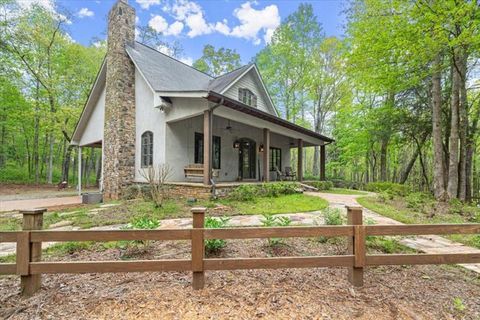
48, 5
253, 21
145, 4
165, 50
198, 25
85, 12
181, 9
158, 23
222, 27
174, 29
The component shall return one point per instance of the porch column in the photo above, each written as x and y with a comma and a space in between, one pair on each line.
79, 170
300, 160
322, 162
266, 154
207, 147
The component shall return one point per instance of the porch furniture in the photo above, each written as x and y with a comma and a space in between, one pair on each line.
280, 174
194, 170
290, 174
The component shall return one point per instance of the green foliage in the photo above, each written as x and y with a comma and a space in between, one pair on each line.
417, 200
217, 62
144, 223
269, 220
385, 244
458, 304
332, 216
390, 187
214, 245
249, 192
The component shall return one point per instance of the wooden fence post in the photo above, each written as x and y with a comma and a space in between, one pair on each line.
198, 248
356, 245
29, 252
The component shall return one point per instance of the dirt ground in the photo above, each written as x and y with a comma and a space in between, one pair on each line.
420, 292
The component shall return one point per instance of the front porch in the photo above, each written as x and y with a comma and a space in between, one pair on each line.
227, 148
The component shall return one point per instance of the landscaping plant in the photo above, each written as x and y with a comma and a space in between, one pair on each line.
214, 245
332, 217
270, 220
143, 223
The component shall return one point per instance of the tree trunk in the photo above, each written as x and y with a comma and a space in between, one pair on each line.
438, 171
452, 187
463, 130
383, 159
36, 134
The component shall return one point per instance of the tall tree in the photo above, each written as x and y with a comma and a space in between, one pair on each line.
217, 62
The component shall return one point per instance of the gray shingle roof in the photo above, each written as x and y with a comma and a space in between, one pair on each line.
221, 82
165, 73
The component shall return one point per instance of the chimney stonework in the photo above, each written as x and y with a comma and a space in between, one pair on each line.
119, 132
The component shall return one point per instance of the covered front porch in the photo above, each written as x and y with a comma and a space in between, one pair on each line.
225, 146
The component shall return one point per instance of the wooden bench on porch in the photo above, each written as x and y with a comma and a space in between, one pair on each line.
194, 170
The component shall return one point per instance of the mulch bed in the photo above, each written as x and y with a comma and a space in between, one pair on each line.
420, 292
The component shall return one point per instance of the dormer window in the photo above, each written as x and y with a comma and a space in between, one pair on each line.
248, 97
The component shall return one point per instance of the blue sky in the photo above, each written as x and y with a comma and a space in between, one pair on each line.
241, 25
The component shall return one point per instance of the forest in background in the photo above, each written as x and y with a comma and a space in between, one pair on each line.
400, 93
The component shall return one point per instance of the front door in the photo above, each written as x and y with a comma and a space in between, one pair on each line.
247, 158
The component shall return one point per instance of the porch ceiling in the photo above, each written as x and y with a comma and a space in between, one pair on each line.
276, 124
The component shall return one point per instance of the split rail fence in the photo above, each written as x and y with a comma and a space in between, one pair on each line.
29, 265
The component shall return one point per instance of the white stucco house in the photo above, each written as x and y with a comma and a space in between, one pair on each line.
206, 129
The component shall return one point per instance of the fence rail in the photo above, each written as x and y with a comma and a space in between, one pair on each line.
30, 267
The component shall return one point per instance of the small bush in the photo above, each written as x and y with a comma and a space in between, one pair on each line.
132, 192
332, 216
417, 200
143, 222
346, 184
214, 245
248, 192
269, 220
393, 188
384, 196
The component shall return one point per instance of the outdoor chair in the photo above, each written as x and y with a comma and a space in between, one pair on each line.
290, 174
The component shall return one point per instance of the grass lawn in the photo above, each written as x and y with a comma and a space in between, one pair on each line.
344, 191
397, 209
283, 204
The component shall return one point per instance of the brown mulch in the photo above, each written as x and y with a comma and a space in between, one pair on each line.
420, 292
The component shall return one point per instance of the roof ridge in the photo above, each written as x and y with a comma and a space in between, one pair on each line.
229, 72
174, 59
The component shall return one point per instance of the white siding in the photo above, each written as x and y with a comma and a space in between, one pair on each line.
251, 82
94, 129
147, 118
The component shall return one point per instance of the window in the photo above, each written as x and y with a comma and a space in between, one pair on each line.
216, 150
147, 149
275, 159
248, 97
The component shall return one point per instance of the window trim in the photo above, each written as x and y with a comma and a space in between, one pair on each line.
146, 159
247, 97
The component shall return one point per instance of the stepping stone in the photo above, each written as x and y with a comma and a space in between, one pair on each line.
109, 205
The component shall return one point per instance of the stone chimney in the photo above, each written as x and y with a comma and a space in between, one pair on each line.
119, 130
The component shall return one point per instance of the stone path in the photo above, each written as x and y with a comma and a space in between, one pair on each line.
428, 244
13, 205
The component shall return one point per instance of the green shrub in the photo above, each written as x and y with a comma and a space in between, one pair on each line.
416, 200
248, 192
393, 188
270, 220
332, 216
321, 185
142, 222
214, 245
384, 196
346, 184
132, 192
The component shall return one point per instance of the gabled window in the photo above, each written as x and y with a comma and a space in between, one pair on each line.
275, 159
216, 160
248, 97
147, 149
